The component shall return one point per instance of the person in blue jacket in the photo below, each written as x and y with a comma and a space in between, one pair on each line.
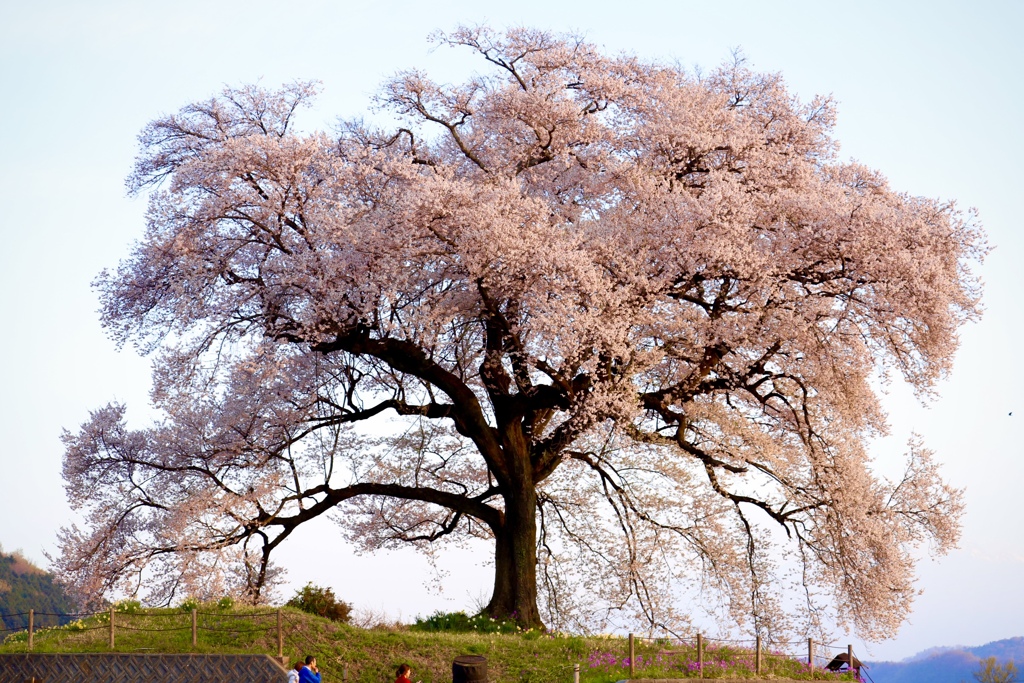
309, 673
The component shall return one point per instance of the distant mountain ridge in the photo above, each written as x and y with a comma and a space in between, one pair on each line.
24, 586
946, 664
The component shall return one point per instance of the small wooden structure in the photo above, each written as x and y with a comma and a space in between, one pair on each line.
843, 659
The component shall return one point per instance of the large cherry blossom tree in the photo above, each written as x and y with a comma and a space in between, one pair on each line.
624, 321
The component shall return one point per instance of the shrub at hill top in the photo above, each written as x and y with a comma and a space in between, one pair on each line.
321, 602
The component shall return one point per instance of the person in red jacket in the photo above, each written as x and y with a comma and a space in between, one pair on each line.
404, 674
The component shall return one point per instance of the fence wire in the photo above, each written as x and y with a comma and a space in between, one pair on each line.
120, 627
248, 615
235, 630
126, 621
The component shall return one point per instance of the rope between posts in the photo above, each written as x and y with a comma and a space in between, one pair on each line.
708, 639
120, 627
238, 616
40, 629
767, 644
232, 630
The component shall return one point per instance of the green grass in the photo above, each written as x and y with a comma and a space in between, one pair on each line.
371, 656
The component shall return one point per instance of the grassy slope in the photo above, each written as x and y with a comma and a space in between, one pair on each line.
24, 586
372, 655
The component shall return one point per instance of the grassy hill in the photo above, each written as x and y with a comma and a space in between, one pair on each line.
371, 655
24, 586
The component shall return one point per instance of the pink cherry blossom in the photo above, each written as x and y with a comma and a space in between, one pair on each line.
622, 320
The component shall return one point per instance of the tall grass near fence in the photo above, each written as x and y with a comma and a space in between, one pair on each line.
357, 655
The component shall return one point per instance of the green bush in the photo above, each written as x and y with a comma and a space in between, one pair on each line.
16, 637
576, 647
127, 606
227, 602
321, 602
444, 621
189, 604
460, 622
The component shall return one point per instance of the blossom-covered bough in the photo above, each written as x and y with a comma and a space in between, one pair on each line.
620, 319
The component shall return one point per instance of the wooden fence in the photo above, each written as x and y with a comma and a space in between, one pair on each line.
817, 655
122, 621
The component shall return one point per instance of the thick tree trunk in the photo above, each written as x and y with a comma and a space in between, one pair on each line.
515, 560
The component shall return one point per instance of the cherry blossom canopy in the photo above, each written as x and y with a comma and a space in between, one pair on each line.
624, 321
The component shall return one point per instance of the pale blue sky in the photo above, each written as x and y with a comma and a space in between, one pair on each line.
929, 93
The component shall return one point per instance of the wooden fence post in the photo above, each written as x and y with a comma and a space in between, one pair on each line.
810, 653
111, 627
632, 656
280, 635
757, 656
576, 673
700, 654
194, 628
31, 627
